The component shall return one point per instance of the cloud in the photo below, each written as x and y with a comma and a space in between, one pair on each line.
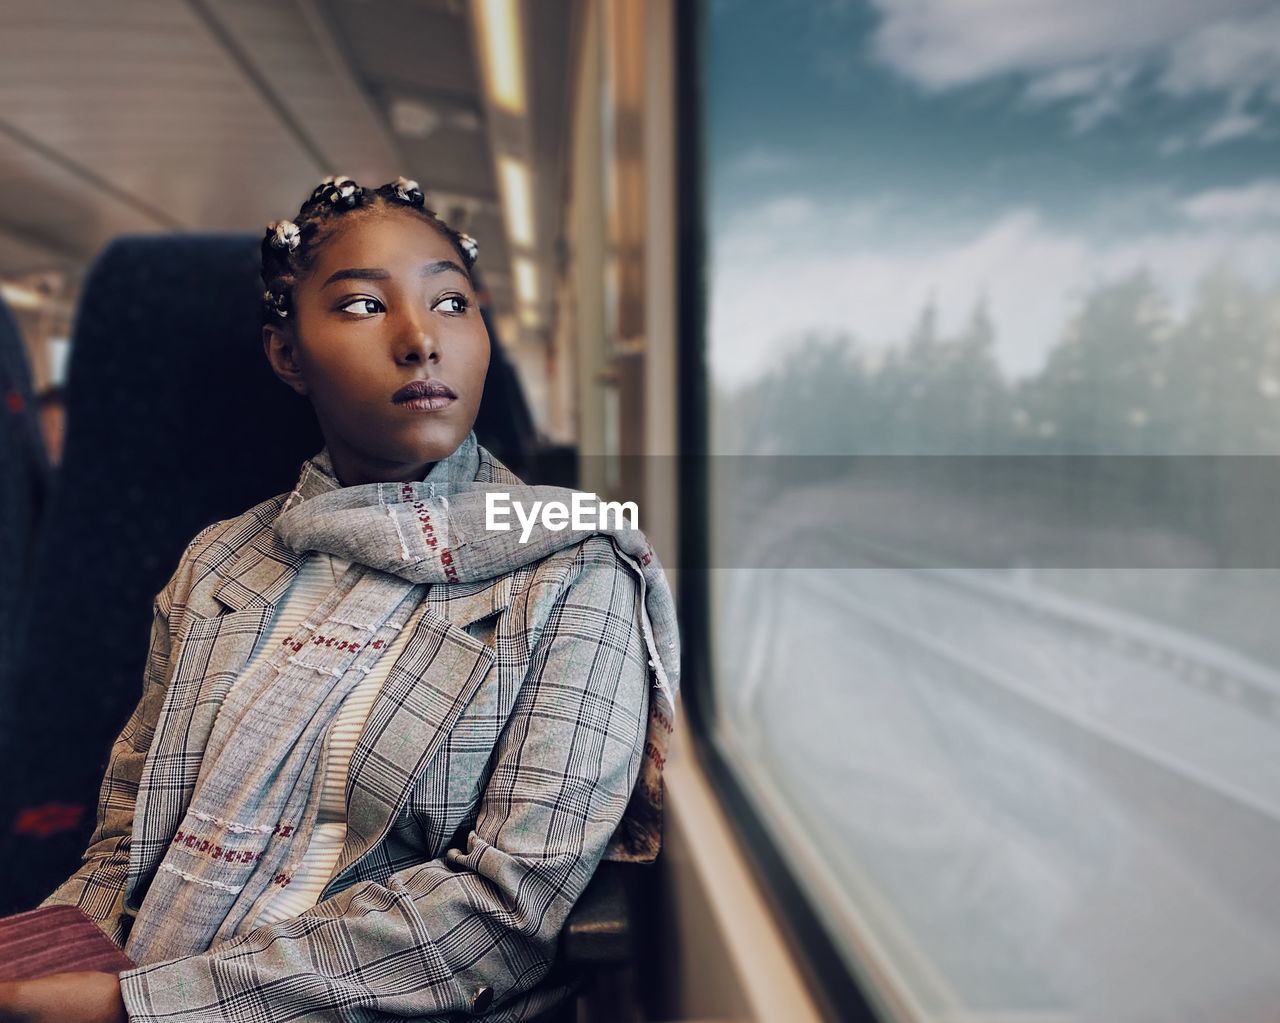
1098, 91
1238, 56
946, 43
770, 288
1089, 54
1243, 205
1238, 59
1233, 124
1076, 81
1229, 125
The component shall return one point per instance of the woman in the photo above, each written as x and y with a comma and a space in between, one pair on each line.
381, 749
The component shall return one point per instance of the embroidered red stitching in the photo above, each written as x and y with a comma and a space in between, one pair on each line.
424, 520
193, 841
433, 541
213, 850
319, 639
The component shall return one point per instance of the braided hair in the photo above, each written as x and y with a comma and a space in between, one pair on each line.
289, 246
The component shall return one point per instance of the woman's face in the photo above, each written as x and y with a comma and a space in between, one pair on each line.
386, 303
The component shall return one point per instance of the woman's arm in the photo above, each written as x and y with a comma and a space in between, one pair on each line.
435, 937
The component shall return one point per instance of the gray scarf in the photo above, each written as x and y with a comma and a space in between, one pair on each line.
260, 777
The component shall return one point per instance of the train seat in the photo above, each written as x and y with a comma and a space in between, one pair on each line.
24, 467
173, 420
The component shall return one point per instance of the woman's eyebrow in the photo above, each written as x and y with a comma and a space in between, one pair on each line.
357, 273
369, 273
440, 266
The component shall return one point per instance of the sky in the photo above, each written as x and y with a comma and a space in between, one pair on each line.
864, 159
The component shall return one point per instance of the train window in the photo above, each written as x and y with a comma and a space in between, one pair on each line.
992, 316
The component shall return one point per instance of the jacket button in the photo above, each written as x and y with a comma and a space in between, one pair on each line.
482, 998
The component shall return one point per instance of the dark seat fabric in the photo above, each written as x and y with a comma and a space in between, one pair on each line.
174, 420
24, 480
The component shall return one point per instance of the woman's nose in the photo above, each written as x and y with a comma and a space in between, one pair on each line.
416, 341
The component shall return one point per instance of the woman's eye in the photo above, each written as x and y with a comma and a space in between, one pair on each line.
453, 304
362, 306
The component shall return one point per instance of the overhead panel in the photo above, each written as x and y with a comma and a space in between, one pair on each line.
414, 60
54, 214
298, 57
141, 95
157, 115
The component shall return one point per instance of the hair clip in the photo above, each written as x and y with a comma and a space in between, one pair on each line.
320, 189
284, 234
277, 302
407, 190
469, 246
344, 192
340, 191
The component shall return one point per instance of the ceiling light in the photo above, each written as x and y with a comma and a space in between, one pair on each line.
526, 275
517, 200
19, 296
501, 40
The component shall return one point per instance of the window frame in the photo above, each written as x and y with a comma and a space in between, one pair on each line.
840, 995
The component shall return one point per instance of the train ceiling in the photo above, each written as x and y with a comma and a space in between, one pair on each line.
220, 115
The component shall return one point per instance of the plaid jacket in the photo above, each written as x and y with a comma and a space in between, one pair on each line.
492, 771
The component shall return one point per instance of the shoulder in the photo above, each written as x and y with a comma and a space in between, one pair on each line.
596, 555
592, 573
217, 542
590, 582
226, 536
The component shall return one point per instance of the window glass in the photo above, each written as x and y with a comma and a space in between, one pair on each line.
993, 342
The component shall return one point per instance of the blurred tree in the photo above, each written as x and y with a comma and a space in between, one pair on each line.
1103, 381
1224, 370
1125, 377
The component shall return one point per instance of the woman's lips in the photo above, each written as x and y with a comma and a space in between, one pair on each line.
430, 403
427, 395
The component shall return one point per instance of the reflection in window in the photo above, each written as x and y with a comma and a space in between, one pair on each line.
1049, 790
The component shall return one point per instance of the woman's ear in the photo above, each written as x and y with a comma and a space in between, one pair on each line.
282, 353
